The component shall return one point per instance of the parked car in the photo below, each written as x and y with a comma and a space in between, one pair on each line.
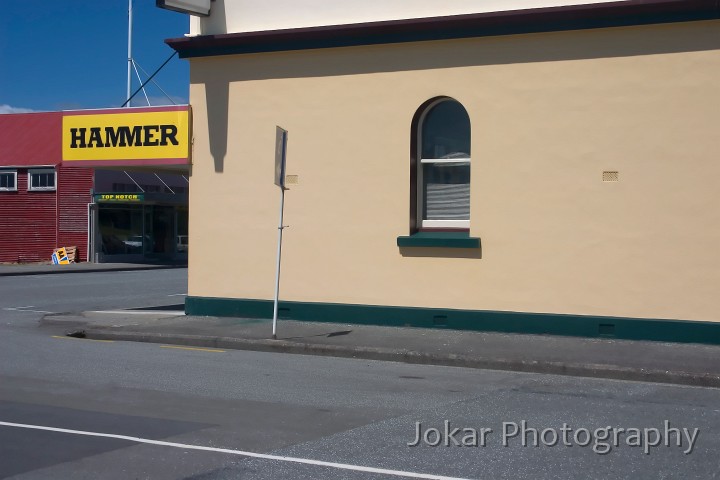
182, 243
134, 241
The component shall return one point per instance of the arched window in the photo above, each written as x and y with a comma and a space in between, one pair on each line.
440, 170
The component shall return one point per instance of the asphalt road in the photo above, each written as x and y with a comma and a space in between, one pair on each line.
161, 404
25, 299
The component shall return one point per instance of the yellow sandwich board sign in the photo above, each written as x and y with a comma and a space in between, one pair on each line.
60, 257
127, 136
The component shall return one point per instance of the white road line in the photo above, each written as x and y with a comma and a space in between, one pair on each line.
342, 466
178, 295
25, 309
141, 312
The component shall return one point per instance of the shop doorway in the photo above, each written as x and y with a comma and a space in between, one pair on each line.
160, 231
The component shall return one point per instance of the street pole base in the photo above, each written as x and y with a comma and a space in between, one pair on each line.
274, 337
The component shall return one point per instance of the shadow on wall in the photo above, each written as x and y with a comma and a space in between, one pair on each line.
217, 96
218, 72
217, 22
217, 93
483, 51
434, 252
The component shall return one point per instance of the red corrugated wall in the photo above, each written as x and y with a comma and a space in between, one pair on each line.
74, 195
27, 223
33, 223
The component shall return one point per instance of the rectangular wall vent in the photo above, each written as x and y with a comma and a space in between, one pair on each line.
606, 329
440, 321
611, 176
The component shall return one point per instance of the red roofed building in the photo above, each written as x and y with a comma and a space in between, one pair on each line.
110, 215
42, 204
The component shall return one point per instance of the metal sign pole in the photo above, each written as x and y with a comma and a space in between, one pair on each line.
277, 266
280, 158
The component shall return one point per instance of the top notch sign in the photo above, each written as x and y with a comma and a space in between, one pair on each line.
127, 136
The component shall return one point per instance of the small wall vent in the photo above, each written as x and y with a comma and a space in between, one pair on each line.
611, 176
606, 329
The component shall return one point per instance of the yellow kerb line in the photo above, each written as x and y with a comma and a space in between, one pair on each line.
86, 339
214, 350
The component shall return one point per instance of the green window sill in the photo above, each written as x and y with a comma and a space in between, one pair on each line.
439, 239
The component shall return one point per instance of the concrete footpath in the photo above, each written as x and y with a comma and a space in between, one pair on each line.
683, 364
18, 269
675, 363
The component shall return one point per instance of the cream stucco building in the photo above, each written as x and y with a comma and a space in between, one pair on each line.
528, 166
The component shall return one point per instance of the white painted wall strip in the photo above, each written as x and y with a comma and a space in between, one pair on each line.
343, 466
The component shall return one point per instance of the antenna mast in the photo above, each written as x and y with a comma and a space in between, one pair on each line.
130, 60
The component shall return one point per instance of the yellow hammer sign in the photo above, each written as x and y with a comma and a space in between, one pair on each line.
151, 136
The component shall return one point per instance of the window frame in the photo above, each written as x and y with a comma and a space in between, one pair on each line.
15, 176
38, 171
417, 223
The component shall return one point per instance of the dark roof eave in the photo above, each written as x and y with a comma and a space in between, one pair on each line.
573, 17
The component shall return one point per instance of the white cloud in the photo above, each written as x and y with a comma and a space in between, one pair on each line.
8, 109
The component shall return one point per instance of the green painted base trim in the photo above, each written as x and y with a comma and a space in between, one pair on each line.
685, 331
439, 239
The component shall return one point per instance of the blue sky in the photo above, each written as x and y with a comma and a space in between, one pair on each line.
72, 54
